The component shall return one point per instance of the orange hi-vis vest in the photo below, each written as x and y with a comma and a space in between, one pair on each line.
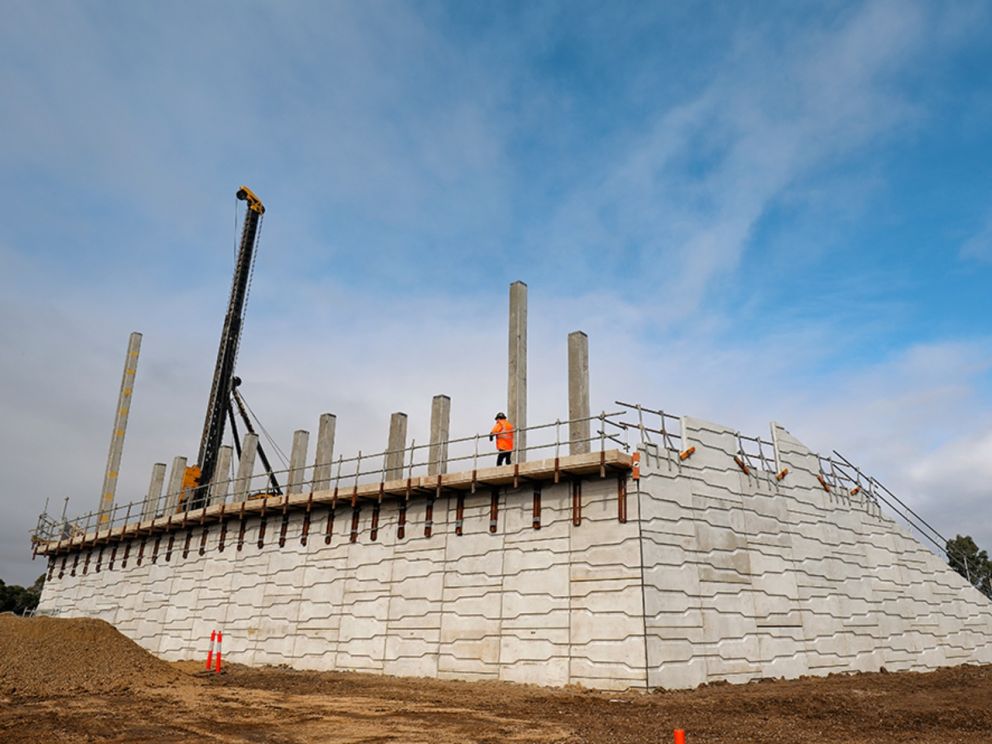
504, 435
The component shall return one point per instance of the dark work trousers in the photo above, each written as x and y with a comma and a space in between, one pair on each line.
503, 458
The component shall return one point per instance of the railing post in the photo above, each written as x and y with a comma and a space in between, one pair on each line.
602, 444
475, 462
358, 470
409, 469
337, 479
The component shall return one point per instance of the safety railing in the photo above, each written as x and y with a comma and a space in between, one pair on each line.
756, 453
837, 474
650, 426
653, 425
471, 453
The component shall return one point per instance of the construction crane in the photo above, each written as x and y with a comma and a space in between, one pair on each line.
198, 477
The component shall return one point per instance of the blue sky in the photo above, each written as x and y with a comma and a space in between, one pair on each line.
757, 211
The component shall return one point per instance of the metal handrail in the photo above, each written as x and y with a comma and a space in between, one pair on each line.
669, 427
836, 471
354, 471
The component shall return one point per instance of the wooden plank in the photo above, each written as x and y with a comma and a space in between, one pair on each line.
535, 471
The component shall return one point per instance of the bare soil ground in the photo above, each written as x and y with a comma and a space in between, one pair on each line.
179, 703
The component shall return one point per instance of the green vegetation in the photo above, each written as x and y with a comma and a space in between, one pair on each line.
18, 599
964, 557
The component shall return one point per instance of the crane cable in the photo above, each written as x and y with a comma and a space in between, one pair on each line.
272, 442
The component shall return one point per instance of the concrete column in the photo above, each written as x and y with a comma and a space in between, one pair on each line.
222, 475
151, 509
325, 452
516, 406
246, 466
297, 461
440, 425
120, 426
578, 392
395, 447
175, 484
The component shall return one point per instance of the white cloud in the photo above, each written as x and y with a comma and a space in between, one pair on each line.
681, 200
335, 348
959, 474
634, 247
979, 246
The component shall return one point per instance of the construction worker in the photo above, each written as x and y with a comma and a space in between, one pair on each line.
503, 432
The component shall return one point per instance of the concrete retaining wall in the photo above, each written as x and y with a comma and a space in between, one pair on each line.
716, 575
748, 577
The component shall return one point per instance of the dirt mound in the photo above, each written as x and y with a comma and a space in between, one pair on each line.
46, 657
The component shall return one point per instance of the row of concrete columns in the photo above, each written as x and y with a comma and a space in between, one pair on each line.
578, 378
578, 435
220, 488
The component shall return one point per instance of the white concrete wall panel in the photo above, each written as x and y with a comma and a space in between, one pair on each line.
717, 574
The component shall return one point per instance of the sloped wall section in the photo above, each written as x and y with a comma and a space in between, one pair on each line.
746, 576
714, 575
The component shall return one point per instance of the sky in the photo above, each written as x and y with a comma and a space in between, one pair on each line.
757, 211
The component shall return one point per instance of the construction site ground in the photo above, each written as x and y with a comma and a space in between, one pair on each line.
81, 681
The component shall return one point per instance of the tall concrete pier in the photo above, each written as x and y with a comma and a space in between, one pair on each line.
440, 423
325, 452
395, 446
297, 461
175, 483
578, 392
516, 397
222, 475
120, 426
151, 508
246, 466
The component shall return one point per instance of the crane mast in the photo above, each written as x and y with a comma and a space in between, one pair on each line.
200, 475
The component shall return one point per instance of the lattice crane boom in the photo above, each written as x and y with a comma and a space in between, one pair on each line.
199, 476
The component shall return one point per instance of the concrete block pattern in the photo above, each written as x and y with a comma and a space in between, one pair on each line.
716, 574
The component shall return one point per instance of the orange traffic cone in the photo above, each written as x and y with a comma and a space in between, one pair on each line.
210, 653
220, 638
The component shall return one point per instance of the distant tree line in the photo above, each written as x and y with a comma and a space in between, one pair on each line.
964, 557
18, 599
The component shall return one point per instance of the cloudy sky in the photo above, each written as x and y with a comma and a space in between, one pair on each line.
757, 212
